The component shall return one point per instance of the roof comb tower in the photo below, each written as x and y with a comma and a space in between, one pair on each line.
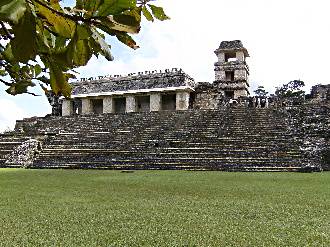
231, 70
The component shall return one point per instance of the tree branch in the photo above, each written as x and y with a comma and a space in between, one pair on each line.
4, 82
3, 27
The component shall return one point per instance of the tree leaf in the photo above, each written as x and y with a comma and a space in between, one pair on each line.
83, 32
24, 45
8, 54
147, 14
58, 81
108, 24
37, 70
61, 25
158, 12
103, 46
12, 10
20, 87
79, 52
114, 7
127, 40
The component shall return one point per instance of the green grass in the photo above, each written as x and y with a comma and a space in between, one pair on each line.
163, 208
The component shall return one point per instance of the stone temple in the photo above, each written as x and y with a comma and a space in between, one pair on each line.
167, 120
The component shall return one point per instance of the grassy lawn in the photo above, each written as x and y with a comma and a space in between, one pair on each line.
163, 208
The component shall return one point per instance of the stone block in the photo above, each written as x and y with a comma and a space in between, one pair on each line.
155, 102
221, 57
108, 105
182, 100
240, 56
86, 106
130, 104
220, 75
240, 74
67, 108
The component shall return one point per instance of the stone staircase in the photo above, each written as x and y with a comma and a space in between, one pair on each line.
8, 142
233, 139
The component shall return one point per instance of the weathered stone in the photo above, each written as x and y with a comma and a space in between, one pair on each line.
24, 154
67, 107
108, 105
204, 126
87, 107
130, 104
155, 102
182, 100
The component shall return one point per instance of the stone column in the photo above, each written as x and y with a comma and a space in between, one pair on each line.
130, 104
67, 108
240, 74
221, 57
240, 56
86, 106
155, 102
240, 93
108, 105
182, 101
220, 75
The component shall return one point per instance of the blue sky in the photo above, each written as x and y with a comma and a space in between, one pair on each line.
286, 39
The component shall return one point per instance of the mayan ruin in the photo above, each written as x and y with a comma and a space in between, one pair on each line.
167, 120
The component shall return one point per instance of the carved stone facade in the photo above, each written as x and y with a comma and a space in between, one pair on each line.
148, 91
231, 70
162, 90
321, 92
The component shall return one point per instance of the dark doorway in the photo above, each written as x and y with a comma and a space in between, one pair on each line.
97, 105
230, 75
229, 94
77, 106
168, 102
120, 105
143, 103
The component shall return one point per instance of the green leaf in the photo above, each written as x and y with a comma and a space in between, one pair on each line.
127, 40
131, 18
58, 81
83, 32
61, 25
158, 12
37, 70
12, 10
108, 24
114, 7
147, 14
24, 45
8, 53
79, 52
82, 53
3, 72
102, 45
20, 87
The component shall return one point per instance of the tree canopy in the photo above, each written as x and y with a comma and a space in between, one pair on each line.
260, 91
42, 41
292, 89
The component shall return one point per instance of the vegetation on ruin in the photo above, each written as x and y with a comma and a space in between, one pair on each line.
292, 89
260, 91
44, 41
163, 208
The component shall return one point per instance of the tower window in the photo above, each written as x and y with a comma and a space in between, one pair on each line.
230, 75
230, 57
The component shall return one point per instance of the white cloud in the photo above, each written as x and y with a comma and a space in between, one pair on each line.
9, 112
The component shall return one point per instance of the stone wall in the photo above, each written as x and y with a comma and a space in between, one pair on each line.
320, 92
174, 78
309, 124
207, 96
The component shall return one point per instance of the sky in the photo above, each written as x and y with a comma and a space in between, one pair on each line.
286, 40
